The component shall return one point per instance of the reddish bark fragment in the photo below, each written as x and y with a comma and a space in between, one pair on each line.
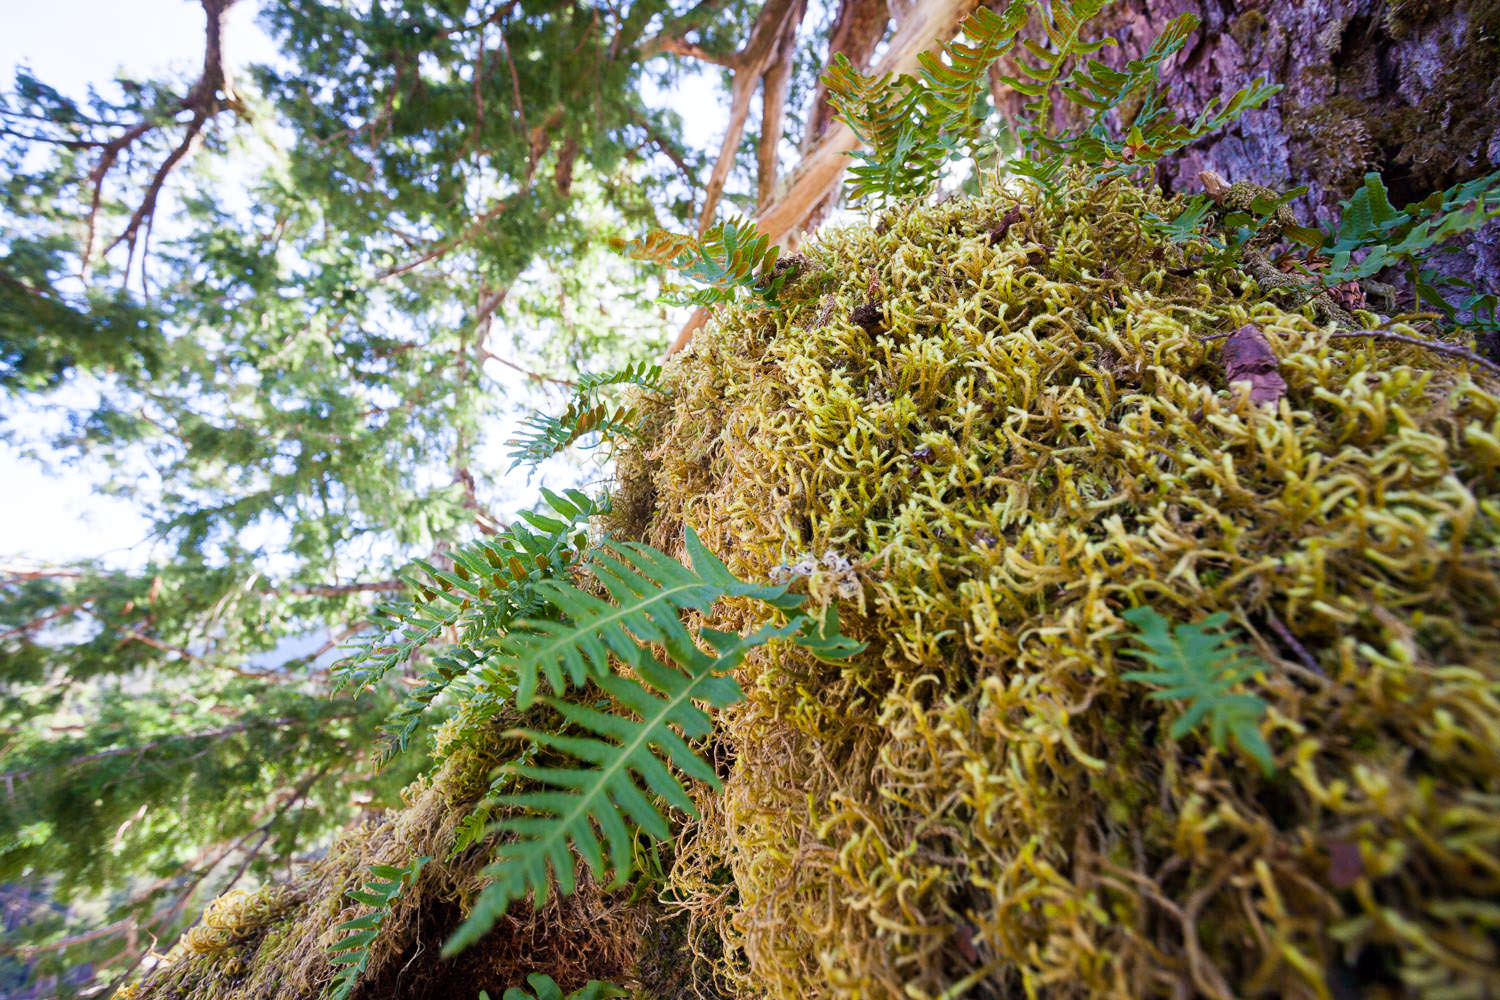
1010, 218
867, 316
1248, 358
1345, 864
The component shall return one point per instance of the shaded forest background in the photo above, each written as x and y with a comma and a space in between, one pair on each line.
291, 307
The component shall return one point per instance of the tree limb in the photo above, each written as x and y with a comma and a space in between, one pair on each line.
751, 62
211, 94
773, 95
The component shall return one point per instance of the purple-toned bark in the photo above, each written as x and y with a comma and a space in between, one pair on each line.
1409, 89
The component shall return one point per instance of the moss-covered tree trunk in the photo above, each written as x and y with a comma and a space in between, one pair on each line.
1407, 89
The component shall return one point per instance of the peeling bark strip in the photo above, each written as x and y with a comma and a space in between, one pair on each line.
1248, 358
751, 65
919, 29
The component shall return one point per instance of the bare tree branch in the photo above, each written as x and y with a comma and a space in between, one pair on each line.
773, 105
212, 94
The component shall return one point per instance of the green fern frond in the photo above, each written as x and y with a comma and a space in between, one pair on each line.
1063, 24
628, 747
492, 584
352, 952
545, 988
958, 84
1372, 234
1201, 666
544, 436
629, 769
911, 127
731, 256
649, 590
1153, 132
641, 374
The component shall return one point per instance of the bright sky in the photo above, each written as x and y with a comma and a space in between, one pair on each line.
49, 514
71, 43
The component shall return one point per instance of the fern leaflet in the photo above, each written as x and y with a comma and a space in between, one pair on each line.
1199, 665
352, 952
545, 988
492, 583
1383, 236
731, 256
631, 761
650, 590
586, 412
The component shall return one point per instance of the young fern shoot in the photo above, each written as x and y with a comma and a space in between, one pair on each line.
352, 951
1201, 666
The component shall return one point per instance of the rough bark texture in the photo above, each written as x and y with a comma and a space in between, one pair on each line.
1409, 89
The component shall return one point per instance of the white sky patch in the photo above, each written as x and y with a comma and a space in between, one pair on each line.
55, 511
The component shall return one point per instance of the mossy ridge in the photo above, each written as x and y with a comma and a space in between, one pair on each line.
246, 949
1030, 438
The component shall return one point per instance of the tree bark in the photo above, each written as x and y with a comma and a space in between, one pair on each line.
921, 27
1408, 90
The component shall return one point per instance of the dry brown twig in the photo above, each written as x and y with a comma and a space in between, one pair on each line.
212, 94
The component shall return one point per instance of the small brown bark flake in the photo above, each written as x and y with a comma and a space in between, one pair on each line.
1248, 358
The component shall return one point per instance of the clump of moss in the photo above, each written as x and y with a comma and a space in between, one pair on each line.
1016, 433
276, 942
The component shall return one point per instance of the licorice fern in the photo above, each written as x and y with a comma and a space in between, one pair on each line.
586, 413
1068, 67
731, 256
1372, 235
649, 589
1202, 666
608, 774
911, 127
492, 583
545, 988
352, 952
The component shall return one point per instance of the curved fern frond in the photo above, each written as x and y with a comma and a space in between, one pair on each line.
1063, 23
1100, 88
629, 763
902, 156
649, 590
958, 85
731, 256
352, 951
544, 436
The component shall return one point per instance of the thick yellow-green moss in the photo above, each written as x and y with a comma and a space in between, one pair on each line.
275, 943
1028, 435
